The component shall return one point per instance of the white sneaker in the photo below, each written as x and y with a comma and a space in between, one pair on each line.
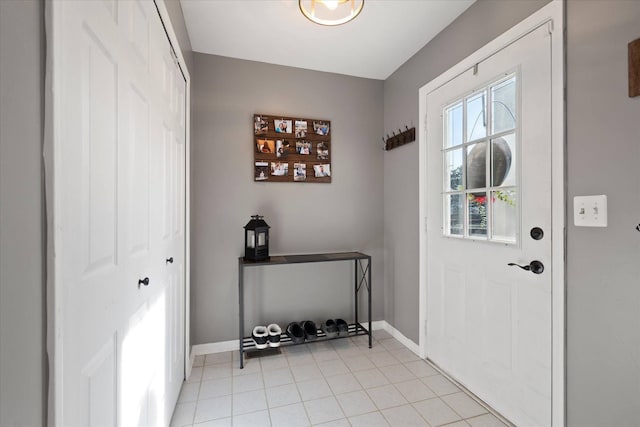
260, 336
274, 335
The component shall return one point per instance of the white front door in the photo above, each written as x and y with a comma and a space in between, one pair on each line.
489, 139
118, 208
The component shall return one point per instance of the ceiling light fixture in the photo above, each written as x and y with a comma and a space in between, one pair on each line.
330, 12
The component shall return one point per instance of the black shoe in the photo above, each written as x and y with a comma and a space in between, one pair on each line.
330, 328
343, 328
260, 336
295, 332
310, 330
274, 335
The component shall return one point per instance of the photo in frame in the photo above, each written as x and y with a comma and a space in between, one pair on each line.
322, 170
279, 168
322, 149
266, 146
260, 126
301, 128
282, 148
299, 171
261, 171
321, 128
303, 148
283, 126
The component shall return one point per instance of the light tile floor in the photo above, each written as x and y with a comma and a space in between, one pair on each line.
331, 383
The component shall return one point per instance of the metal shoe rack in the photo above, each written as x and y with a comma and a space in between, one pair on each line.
362, 277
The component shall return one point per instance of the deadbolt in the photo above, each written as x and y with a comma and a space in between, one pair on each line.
537, 233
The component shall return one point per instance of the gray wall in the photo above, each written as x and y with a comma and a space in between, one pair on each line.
305, 218
23, 374
603, 144
481, 23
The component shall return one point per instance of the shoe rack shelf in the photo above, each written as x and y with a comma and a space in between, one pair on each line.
362, 265
354, 330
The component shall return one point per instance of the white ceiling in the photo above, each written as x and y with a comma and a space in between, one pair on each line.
385, 34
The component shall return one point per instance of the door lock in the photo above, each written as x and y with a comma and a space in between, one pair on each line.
536, 267
536, 233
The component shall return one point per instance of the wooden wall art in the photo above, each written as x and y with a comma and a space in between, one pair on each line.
291, 149
634, 68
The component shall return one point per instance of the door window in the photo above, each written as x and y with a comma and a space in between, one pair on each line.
480, 143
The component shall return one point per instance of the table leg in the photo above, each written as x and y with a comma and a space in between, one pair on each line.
369, 289
241, 310
355, 284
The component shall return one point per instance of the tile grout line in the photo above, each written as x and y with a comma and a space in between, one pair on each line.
466, 391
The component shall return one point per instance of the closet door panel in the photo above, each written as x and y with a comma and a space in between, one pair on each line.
118, 209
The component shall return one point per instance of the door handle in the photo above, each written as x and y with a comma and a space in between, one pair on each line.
144, 281
536, 267
169, 260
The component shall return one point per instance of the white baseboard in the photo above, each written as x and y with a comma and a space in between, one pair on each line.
215, 347
233, 345
382, 324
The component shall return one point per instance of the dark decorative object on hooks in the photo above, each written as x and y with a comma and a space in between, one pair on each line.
477, 164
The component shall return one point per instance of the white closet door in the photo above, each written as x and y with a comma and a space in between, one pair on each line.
118, 215
169, 188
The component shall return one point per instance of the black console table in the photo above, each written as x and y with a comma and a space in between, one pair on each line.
362, 277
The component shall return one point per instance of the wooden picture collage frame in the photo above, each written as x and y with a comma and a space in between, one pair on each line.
291, 149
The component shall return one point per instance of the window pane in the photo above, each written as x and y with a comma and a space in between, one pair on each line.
477, 214
505, 215
504, 106
453, 125
454, 214
453, 170
476, 117
477, 165
503, 161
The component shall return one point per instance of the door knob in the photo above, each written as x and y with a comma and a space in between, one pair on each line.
536, 267
169, 260
144, 281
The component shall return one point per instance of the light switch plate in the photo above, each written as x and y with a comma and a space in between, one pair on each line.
590, 211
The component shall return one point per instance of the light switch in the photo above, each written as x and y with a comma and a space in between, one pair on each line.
590, 211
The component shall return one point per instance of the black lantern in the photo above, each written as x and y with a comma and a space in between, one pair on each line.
256, 239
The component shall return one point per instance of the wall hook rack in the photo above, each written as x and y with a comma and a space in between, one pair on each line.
403, 137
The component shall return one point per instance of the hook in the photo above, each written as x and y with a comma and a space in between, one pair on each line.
406, 127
